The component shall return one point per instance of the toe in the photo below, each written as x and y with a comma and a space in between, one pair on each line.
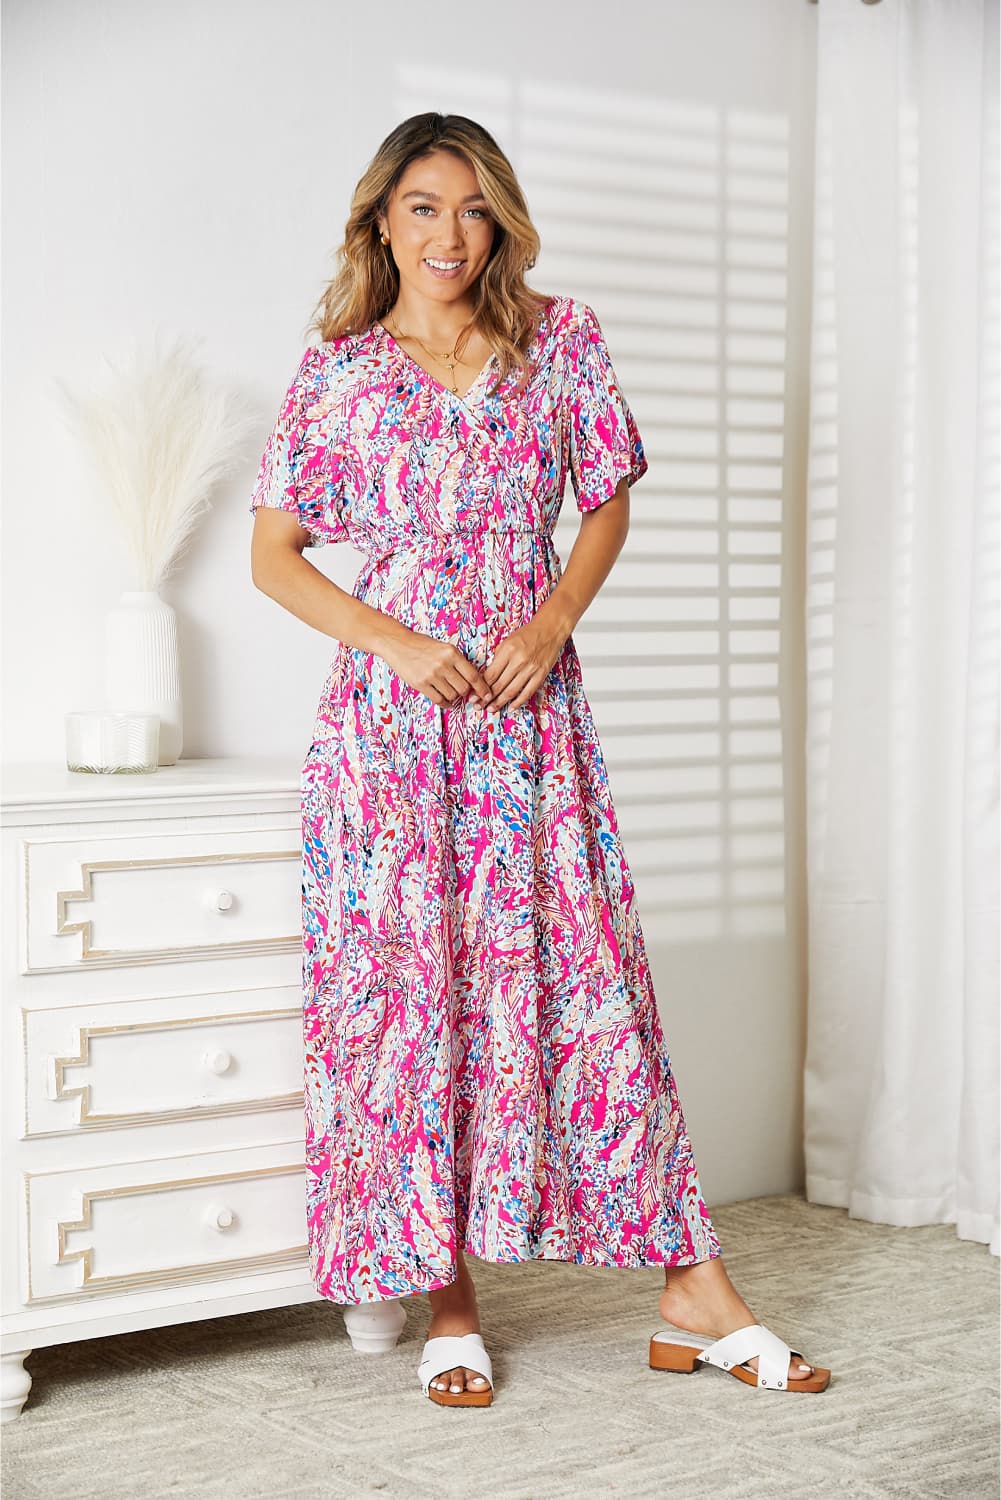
796, 1364
456, 1380
448, 1380
476, 1382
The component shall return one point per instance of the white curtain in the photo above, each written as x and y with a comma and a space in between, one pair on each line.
901, 1081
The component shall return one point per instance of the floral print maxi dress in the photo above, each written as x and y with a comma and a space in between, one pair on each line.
484, 1063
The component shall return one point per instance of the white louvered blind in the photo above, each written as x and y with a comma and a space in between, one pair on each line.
672, 223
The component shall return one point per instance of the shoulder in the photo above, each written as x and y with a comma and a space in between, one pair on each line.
571, 318
312, 366
328, 368
336, 353
577, 340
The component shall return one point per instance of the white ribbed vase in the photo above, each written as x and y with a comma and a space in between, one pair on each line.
142, 665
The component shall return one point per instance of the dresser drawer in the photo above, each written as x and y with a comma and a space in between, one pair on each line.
146, 1061
102, 1229
96, 902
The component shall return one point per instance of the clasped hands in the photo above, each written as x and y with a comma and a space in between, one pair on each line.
518, 667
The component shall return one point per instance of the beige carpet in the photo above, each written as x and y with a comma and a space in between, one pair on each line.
277, 1404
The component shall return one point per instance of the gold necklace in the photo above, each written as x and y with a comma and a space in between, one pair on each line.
448, 359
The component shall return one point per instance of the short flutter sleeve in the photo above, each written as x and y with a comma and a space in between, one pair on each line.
605, 444
301, 469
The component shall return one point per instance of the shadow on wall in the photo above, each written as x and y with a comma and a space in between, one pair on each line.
672, 220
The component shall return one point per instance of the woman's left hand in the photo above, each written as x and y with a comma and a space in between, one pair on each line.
521, 664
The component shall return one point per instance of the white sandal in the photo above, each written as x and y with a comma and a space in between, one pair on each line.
681, 1350
447, 1352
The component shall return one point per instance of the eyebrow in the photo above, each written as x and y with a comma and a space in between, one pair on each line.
469, 198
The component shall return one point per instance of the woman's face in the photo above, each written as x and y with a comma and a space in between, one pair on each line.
437, 213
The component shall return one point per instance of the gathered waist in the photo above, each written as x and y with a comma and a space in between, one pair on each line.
448, 541
472, 587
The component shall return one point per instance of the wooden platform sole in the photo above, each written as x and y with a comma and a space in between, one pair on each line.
683, 1359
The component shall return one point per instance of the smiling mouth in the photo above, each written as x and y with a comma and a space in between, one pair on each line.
442, 265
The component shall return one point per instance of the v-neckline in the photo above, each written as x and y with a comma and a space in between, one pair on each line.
462, 396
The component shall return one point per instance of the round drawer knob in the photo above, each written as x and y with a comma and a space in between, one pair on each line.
220, 1217
218, 1061
219, 900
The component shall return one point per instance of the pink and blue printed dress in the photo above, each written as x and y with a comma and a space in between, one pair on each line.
485, 1067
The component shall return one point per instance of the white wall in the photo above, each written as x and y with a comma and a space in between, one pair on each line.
188, 166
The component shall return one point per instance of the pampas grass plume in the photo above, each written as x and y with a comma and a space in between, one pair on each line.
161, 436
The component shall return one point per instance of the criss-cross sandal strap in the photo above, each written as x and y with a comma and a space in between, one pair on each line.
743, 1344
448, 1351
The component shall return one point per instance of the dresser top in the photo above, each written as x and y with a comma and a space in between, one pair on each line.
40, 783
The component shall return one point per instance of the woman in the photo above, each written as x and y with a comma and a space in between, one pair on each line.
485, 1069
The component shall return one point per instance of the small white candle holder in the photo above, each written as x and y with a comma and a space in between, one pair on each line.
105, 742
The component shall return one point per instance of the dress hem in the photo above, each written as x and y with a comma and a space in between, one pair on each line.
518, 1260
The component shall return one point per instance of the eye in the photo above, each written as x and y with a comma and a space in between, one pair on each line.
419, 207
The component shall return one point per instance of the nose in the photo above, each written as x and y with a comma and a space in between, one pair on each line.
458, 237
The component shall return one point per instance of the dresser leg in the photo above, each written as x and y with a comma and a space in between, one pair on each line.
374, 1327
15, 1383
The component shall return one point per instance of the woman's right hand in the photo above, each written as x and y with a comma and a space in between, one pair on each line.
436, 668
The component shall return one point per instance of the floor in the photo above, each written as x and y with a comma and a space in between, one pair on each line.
277, 1404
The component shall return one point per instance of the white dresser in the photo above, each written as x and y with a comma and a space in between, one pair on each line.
152, 1054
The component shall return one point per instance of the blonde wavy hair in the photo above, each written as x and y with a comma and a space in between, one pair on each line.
366, 282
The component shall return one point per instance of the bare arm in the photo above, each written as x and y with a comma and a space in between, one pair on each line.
436, 668
524, 659
599, 541
279, 570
